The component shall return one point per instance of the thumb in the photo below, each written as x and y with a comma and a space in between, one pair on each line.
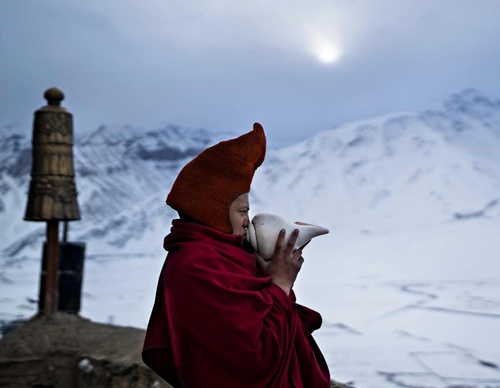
262, 262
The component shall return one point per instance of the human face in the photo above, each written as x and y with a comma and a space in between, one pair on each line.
238, 215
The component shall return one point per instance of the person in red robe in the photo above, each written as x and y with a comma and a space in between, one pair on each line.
224, 316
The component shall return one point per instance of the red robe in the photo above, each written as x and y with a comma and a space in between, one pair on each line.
218, 322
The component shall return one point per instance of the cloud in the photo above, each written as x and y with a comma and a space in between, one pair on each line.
222, 64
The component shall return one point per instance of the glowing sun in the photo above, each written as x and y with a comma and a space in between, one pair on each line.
327, 53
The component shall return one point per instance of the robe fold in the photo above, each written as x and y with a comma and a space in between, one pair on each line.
217, 321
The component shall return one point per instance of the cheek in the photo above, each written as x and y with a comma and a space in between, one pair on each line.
236, 220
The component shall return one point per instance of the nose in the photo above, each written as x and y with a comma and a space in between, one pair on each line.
246, 222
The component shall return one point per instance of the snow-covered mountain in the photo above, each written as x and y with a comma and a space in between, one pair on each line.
402, 170
122, 179
407, 282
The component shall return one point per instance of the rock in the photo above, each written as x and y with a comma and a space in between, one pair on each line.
69, 351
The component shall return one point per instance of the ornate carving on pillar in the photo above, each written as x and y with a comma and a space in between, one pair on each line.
52, 193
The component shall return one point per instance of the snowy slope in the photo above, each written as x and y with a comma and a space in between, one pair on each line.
401, 170
122, 180
408, 280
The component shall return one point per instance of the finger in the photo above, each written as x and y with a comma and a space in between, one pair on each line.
279, 242
299, 261
291, 241
297, 255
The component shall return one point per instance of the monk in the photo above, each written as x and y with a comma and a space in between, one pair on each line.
224, 316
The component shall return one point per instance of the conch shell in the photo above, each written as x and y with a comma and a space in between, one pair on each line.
264, 229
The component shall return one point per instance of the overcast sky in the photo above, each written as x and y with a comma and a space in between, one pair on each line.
297, 67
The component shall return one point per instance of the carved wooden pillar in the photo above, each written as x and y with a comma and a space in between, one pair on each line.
52, 192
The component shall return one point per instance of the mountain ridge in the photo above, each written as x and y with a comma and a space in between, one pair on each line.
399, 170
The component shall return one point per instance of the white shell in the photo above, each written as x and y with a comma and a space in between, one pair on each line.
264, 229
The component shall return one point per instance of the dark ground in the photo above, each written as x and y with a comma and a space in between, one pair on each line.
67, 350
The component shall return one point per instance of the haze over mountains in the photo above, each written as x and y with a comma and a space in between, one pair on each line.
402, 170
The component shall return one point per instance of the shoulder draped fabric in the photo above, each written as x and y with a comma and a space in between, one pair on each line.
217, 320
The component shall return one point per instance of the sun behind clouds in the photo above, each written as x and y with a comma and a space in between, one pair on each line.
328, 53
325, 49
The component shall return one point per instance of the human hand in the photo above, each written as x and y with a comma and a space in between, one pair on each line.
286, 262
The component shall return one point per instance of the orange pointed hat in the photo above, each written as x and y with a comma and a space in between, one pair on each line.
208, 184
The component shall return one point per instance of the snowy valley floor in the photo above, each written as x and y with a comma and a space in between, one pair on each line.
402, 309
